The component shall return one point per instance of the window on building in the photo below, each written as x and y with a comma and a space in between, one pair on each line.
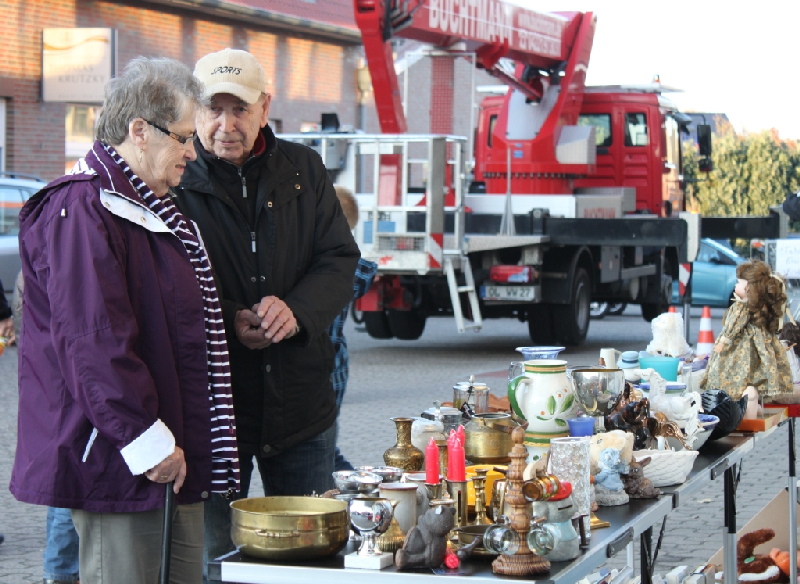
276, 126
79, 132
309, 127
602, 127
636, 129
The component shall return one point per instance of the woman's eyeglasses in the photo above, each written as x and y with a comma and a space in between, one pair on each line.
173, 135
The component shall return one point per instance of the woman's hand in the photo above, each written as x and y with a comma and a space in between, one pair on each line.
172, 468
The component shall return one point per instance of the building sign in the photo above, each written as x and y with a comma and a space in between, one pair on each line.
77, 63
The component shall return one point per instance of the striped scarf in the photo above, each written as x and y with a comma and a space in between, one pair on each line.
225, 455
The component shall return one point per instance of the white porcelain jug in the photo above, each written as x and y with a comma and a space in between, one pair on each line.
545, 398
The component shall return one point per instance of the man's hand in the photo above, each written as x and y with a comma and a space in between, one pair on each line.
277, 319
248, 329
172, 468
7, 330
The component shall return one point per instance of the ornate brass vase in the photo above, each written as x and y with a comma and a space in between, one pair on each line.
404, 454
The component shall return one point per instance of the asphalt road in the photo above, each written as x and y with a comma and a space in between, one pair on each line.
402, 378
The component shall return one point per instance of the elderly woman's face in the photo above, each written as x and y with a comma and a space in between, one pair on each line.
167, 157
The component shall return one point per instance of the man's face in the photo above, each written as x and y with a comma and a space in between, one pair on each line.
229, 126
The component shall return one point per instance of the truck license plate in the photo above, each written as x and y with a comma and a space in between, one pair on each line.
507, 292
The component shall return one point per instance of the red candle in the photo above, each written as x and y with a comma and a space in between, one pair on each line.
461, 436
451, 440
432, 463
456, 462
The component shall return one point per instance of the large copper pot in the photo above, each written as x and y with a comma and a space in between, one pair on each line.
289, 528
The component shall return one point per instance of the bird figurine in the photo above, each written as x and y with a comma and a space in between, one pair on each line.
681, 409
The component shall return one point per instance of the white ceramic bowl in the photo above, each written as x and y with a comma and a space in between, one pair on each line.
667, 467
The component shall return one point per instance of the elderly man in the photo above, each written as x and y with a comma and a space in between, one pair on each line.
284, 260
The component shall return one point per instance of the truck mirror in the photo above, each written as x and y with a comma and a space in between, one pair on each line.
704, 139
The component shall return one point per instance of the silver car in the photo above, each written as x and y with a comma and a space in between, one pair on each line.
15, 189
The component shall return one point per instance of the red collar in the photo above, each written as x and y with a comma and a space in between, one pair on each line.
260, 145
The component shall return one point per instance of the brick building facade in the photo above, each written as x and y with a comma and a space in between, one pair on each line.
307, 72
310, 51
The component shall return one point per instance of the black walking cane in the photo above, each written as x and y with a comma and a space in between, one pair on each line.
166, 544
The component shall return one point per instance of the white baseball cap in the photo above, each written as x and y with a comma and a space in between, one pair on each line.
231, 71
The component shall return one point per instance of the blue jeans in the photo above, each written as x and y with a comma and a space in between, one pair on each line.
61, 552
301, 470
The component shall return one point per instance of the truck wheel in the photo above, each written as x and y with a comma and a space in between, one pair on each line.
572, 320
377, 325
406, 325
540, 325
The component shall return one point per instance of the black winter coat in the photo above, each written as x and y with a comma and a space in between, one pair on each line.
299, 248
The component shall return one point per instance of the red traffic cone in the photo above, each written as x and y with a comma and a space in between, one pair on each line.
705, 338
671, 309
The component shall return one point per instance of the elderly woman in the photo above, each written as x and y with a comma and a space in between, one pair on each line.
124, 383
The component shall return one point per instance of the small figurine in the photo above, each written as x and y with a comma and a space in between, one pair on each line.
618, 439
632, 417
747, 352
609, 488
759, 568
636, 485
660, 427
426, 542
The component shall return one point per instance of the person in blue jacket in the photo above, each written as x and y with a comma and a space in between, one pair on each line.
365, 272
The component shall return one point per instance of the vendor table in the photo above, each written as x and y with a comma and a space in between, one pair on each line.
636, 519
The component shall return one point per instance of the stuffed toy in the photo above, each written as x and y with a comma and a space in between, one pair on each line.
668, 338
781, 559
753, 567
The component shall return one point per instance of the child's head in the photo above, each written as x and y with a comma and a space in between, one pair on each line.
349, 205
765, 294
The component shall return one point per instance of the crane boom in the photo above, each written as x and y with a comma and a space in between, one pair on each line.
491, 28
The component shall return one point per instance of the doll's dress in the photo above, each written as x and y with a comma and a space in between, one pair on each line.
753, 356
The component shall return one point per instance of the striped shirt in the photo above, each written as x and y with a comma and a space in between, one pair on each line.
224, 453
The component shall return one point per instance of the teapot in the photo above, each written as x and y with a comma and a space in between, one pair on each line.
544, 397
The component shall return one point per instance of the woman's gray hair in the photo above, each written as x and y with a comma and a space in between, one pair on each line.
159, 90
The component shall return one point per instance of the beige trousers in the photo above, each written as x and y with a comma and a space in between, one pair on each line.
125, 548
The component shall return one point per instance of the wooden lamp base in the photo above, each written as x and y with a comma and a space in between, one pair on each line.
521, 565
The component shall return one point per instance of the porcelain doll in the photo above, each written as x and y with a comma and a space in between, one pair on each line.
747, 355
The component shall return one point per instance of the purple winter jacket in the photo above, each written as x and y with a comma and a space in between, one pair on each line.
113, 339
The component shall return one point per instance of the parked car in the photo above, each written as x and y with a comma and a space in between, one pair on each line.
713, 275
15, 189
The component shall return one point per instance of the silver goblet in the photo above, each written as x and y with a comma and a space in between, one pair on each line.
370, 516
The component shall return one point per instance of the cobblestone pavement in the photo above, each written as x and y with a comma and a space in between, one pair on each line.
398, 378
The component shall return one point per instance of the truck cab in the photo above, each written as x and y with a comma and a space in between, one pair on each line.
637, 133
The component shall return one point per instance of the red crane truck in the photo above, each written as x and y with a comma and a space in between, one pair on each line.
575, 195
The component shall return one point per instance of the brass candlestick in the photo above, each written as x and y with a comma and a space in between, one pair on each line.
479, 482
524, 562
442, 446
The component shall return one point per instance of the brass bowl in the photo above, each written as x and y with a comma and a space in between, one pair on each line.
468, 533
289, 528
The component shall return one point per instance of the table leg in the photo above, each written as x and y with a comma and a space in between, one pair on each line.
646, 555
729, 531
792, 506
